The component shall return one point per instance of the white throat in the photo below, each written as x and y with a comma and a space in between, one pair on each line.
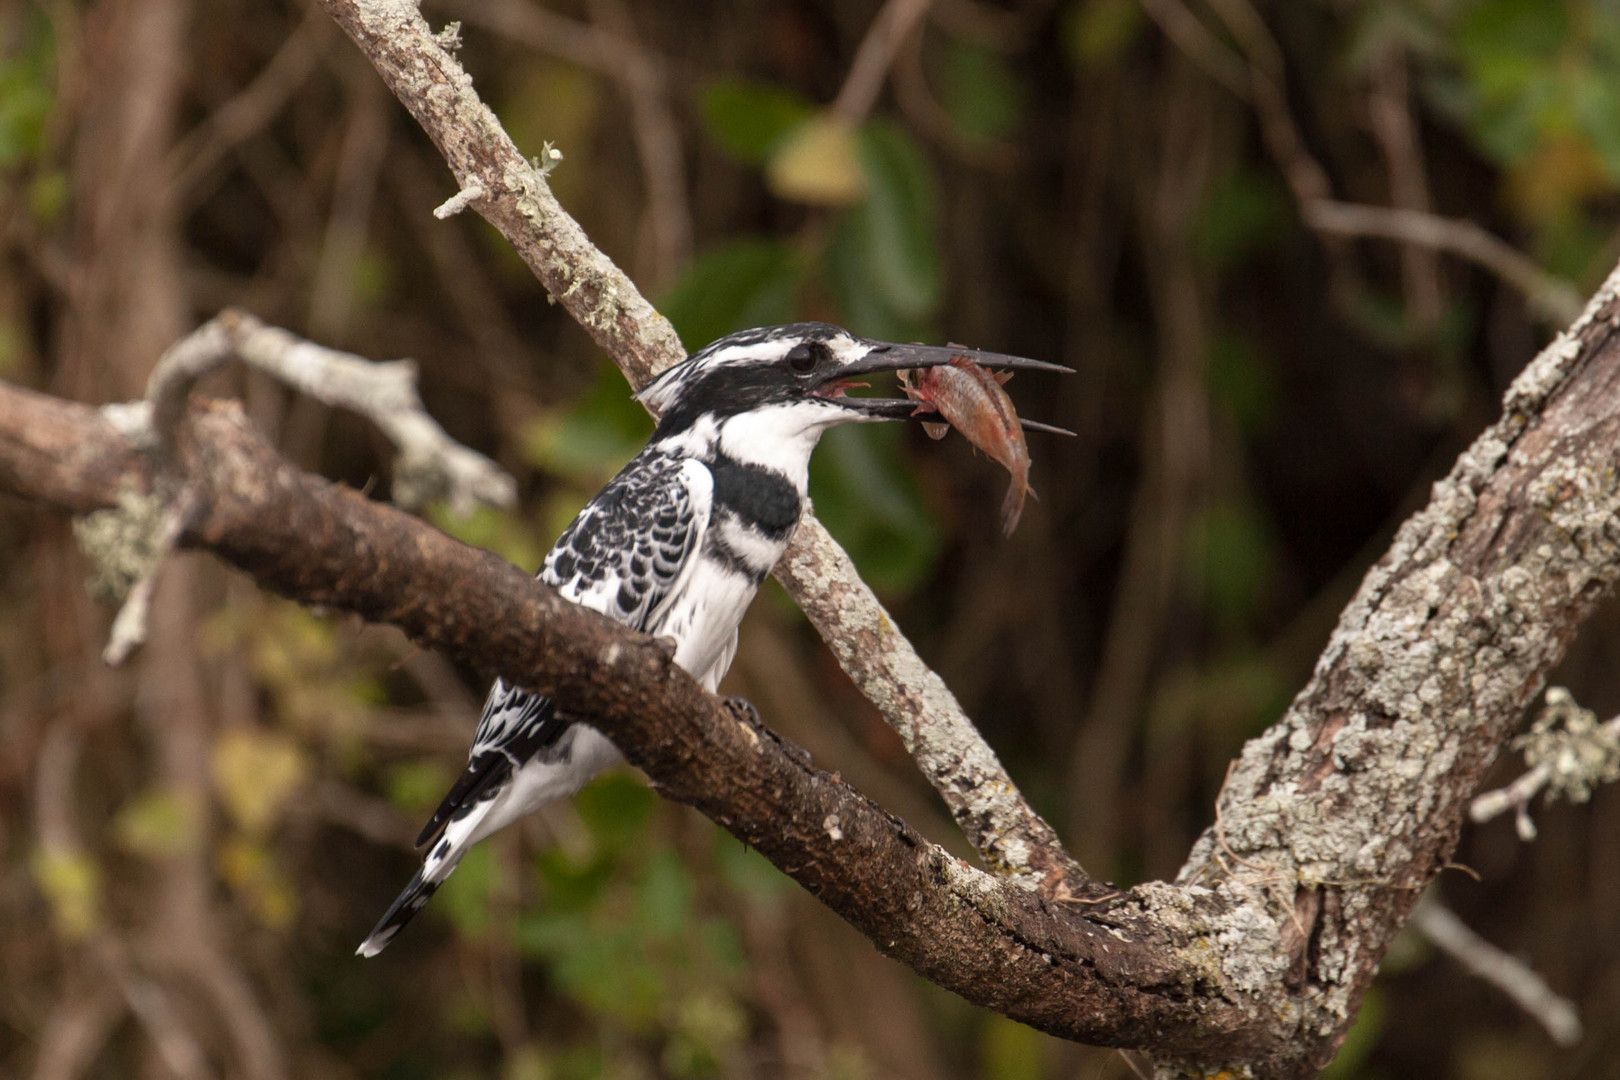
780, 438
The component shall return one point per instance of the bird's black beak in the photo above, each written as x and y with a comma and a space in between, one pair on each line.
892, 357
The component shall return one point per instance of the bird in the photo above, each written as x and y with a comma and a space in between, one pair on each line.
674, 546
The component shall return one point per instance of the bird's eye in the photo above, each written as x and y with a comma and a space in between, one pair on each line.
802, 359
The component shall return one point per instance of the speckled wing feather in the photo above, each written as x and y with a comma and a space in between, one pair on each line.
624, 555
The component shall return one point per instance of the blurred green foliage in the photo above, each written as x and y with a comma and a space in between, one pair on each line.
985, 97
626, 922
27, 90
749, 119
1098, 33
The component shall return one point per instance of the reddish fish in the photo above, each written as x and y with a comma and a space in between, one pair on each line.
972, 400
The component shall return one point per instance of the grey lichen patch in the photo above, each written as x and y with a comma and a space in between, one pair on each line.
1578, 752
124, 544
1247, 933
971, 883
1543, 374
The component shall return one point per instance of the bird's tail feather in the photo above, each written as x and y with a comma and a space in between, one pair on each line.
459, 835
400, 912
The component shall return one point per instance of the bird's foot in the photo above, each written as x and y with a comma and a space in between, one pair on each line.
742, 709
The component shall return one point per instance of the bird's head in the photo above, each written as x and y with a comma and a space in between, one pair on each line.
774, 390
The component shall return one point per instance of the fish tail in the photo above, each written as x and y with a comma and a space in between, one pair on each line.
1012, 507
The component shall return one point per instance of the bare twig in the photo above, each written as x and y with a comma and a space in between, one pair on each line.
331, 287
1554, 298
129, 626
1203, 48
458, 202
917, 101
75, 1031
244, 115
152, 1006
895, 23
1567, 749
1390, 117
1502, 970
658, 143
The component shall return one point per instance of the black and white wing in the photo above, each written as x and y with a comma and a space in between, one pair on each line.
625, 555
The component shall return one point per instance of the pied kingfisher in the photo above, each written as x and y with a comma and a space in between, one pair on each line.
675, 546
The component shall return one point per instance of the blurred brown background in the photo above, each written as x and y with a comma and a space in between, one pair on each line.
191, 846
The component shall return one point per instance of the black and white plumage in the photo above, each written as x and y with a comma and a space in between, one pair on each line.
675, 546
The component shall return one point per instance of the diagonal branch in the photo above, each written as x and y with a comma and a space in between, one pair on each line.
513, 196
1132, 973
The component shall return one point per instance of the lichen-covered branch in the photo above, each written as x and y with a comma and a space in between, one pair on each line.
514, 197
130, 542
431, 465
1333, 821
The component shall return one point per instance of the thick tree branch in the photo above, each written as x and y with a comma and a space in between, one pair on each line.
1134, 973
1008, 834
1337, 817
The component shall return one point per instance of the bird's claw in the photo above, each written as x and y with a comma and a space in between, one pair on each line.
742, 709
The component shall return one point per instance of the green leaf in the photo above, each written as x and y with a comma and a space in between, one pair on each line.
1098, 32
1240, 212
1235, 552
592, 438
1010, 1051
27, 90
256, 771
1240, 382
748, 872
983, 95
504, 533
748, 119
664, 898
572, 884
71, 880
747, 282
160, 823
818, 163
417, 786
616, 809
885, 265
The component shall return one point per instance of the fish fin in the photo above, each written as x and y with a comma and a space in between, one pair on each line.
936, 431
